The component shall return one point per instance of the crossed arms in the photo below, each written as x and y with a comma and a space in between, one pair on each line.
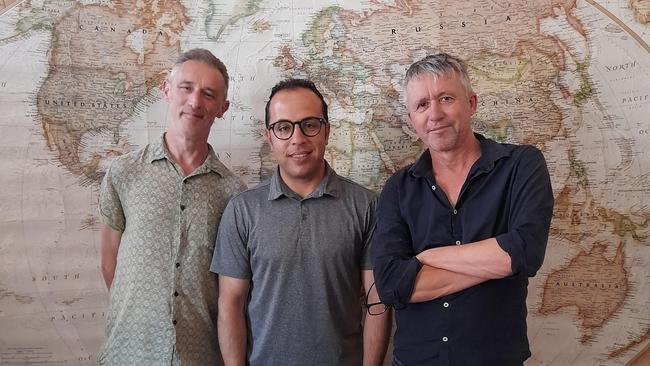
408, 271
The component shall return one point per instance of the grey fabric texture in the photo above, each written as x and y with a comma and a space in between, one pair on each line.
169, 227
304, 259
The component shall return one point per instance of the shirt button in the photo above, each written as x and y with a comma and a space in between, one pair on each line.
457, 242
174, 322
433, 188
455, 211
445, 304
445, 339
182, 207
175, 293
178, 264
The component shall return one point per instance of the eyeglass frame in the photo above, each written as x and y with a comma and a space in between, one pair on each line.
386, 307
322, 121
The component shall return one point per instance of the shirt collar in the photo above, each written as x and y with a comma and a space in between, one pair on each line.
327, 186
158, 151
491, 151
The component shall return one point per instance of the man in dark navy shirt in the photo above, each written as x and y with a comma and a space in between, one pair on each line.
460, 231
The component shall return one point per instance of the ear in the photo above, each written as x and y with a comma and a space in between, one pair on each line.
473, 100
408, 118
166, 87
267, 137
224, 108
327, 133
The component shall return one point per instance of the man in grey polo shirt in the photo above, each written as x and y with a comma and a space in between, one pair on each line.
292, 253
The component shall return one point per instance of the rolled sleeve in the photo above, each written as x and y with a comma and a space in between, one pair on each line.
395, 265
231, 257
111, 212
530, 214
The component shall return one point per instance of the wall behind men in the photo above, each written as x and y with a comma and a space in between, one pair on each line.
79, 85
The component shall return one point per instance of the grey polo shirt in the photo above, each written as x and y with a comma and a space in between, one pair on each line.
304, 259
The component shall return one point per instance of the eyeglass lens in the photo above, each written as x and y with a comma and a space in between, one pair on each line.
309, 127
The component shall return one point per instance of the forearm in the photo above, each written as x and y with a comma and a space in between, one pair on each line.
432, 283
109, 246
231, 327
483, 259
108, 271
376, 336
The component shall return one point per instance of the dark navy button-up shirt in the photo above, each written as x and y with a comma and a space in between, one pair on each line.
507, 195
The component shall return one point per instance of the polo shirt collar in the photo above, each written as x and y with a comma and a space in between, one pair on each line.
491, 151
327, 186
158, 150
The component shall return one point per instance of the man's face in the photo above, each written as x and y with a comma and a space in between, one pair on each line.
440, 110
196, 95
300, 158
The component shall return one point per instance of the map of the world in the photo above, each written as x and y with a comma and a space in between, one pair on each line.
79, 85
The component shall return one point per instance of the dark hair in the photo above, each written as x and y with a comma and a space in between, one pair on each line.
202, 55
291, 84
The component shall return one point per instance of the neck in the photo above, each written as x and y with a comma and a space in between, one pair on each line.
188, 153
303, 187
459, 159
451, 168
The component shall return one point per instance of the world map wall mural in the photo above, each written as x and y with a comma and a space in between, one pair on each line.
79, 85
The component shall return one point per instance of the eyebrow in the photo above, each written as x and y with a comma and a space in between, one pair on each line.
187, 82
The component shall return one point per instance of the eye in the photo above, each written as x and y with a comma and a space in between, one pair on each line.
422, 105
311, 124
446, 99
283, 127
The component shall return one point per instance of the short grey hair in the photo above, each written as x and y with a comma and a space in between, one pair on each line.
201, 55
438, 65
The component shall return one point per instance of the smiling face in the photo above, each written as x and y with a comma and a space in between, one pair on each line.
196, 95
300, 158
440, 110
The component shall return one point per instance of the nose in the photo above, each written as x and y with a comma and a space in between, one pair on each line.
195, 99
297, 137
435, 111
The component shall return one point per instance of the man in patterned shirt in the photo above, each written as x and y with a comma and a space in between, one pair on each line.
160, 207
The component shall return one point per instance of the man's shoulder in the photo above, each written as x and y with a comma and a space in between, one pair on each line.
256, 193
130, 160
213, 163
400, 176
348, 186
523, 153
509, 149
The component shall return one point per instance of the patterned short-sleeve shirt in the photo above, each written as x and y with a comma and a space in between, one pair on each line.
163, 299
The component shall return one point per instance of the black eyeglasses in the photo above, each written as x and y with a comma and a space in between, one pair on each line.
310, 127
378, 307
